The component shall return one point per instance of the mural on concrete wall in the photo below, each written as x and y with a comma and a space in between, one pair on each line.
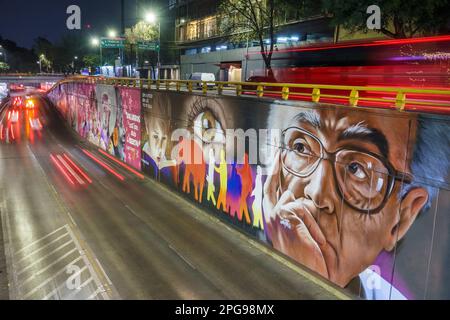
359, 196
126, 135
108, 112
107, 117
338, 190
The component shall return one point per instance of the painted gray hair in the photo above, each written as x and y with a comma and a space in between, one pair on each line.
430, 163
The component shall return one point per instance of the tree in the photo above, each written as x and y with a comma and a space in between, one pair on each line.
46, 52
19, 59
91, 60
251, 19
399, 18
142, 31
4, 67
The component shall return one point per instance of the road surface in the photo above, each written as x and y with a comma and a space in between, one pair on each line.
100, 237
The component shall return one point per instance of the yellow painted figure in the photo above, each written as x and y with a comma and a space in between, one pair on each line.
223, 173
210, 178
257, 203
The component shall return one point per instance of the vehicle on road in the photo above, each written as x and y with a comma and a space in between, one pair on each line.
14, 116
17, 102
209, 78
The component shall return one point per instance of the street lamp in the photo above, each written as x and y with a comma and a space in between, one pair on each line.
41, 57
151, 18
3, 53
75, 58
96, 42
112, 33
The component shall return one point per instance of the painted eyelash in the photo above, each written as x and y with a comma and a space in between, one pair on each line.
199, 106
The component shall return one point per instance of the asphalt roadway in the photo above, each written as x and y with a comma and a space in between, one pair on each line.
105, 238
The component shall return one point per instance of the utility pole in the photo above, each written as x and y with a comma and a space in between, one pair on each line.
122, 17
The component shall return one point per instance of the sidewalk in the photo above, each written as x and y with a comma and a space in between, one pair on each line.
4, 294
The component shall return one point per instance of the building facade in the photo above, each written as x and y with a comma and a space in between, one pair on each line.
203, 48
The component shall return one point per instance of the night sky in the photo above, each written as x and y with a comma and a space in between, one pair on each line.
23, 21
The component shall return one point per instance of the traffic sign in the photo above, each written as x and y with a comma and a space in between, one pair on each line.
148, 45
117, 43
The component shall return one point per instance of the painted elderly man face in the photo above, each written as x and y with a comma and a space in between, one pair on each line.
332, 201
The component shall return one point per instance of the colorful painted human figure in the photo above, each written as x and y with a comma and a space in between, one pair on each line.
223, 174
195, 167
245, 172
257, 202
233, 192
210, 178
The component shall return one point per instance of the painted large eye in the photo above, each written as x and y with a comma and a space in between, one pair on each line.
208, 128
357, 170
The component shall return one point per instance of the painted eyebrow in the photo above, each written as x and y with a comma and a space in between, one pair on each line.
309, 117
372, 135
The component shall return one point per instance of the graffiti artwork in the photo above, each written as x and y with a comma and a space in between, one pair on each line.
126, 135
337, 190
359, 196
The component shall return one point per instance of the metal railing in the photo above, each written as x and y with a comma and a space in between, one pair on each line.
400, 98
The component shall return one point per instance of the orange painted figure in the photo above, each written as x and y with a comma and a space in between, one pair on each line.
195, 166
223, 174
245, 172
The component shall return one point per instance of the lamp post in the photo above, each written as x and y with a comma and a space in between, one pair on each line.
73, 63
96, 42
3, 54
151, 18
41, 57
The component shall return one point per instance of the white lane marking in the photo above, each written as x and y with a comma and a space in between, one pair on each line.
11, 270
73, 173
71, 219
78, 290
43, 284
46, 256
181, 256
54, 190
88, 264
55, 291
99, 290
259, 246
169, 245
14, 289
103, 270
54, 294
131, 210
49, 266
40, 239
41, 248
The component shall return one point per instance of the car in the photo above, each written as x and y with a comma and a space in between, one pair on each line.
17, 102
29, 104
204, 77
14, 116
259, 79
14, 87
35, 124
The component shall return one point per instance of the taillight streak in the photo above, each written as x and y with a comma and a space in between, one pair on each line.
122, 164
73, 173
85, 176
104, 165
61, 169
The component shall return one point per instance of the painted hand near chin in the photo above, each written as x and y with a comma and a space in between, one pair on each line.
292, 228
